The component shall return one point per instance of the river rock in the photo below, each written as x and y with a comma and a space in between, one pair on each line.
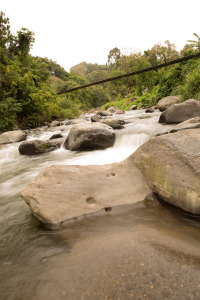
111, 109
12, 137
104, 113
76, 121
114, 123
166, 102
90, 136
56, 136
191, 123
171, 166
96, 118
133, 107
39, 147
120, 112
60, 193
178, 113
149, 110
55, 123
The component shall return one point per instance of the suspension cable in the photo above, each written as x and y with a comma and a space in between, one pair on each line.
185, 58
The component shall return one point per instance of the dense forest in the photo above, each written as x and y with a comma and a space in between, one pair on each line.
29, 85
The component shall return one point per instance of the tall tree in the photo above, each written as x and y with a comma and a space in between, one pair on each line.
5, 33
195, 44
113, 56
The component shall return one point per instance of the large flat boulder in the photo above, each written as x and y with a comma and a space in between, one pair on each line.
61, 193
90, 136
166, 102
12, 137
178, 113
171, 166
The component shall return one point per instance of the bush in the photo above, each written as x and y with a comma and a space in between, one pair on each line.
8, 112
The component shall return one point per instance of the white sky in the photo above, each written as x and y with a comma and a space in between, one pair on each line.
72, 31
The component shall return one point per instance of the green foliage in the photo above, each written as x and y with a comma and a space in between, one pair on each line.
194, 44
52, 67
191, 87
145, 101
8, 112
170, 81
29, 85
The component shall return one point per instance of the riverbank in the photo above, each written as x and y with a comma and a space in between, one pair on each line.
141, 251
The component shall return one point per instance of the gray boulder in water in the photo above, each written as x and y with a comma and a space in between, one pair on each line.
90, 136
12, 137
39, 147
178, 113
114, 123
166, 102
61, 193
96, 118
171, 165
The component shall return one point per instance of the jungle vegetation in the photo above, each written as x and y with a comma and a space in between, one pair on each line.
29, 85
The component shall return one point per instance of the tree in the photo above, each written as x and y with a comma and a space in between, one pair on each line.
195, 44
25, 40
164, 53
5, 33
113, 56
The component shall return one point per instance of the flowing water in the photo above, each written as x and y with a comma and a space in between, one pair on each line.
140, 251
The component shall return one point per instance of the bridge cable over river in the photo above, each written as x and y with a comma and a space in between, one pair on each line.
181, 59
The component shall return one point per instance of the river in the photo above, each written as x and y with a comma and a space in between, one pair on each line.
139, 251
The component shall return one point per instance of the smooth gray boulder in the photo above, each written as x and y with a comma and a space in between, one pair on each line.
61, 193
149, 110
171, 165
96, 118
55, 123
114, 123
111, 109
104, 113
39, 147
178, 113
166, 102
12, 137
90, 136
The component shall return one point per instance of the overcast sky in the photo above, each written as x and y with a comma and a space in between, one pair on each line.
72, 31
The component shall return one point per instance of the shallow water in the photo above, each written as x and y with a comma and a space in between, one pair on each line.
140, 251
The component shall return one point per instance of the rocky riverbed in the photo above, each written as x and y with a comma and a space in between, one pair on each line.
134, 251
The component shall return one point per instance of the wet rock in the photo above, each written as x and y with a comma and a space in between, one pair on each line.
171, 164
90, 136
133, 107
114, 123
149, 110
104, 113
61, 193
166, 102
56, 136
39, 147
55, 123
120, 112
178, 113
96, 118
12, 137
111, 109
